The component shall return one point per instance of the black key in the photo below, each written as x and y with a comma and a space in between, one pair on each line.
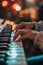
4, 44
6, 31
3, 48
4, 34
4, 39
7, 28
3, 52
2, 55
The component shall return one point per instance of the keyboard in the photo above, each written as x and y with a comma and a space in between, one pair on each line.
10, 52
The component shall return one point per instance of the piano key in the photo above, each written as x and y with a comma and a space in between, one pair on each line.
3, 48
4, 44
14, 62
18, 54
2, 51
8, 28
4, 34
2, 59
2, 55
4, 39
6, 31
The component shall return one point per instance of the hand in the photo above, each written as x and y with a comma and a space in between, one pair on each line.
25, 34
24, 25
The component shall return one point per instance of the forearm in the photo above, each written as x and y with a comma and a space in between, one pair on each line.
38, 41
37, 37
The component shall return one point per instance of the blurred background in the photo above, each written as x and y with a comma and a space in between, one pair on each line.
21, 10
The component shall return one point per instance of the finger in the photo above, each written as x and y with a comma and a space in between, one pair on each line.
22, 38
29, 35
21, 32
20, 26
29, 26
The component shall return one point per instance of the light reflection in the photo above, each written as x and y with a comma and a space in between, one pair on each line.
1, 59
11, 56
35, 58
18, 8
11, 61
3, 55
12, 53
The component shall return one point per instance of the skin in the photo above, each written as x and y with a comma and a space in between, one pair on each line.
26, 33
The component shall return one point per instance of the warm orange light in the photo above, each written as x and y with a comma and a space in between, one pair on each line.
4, 3
34, 13
26, 11
12, 0
1, 25
21, 13
30, 1
13, 25
9, 22
14, 5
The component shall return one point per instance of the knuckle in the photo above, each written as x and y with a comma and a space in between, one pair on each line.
18, 30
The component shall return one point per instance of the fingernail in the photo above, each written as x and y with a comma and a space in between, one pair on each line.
17, 38
14, 31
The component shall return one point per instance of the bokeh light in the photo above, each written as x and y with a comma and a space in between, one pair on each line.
17, 7
4, 3
8, 22
12, 0
12, 53
1, 25
30, 1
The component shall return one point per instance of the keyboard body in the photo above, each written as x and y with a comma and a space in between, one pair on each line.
10, 52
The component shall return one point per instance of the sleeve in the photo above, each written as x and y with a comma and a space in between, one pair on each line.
38, 41
39, 26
